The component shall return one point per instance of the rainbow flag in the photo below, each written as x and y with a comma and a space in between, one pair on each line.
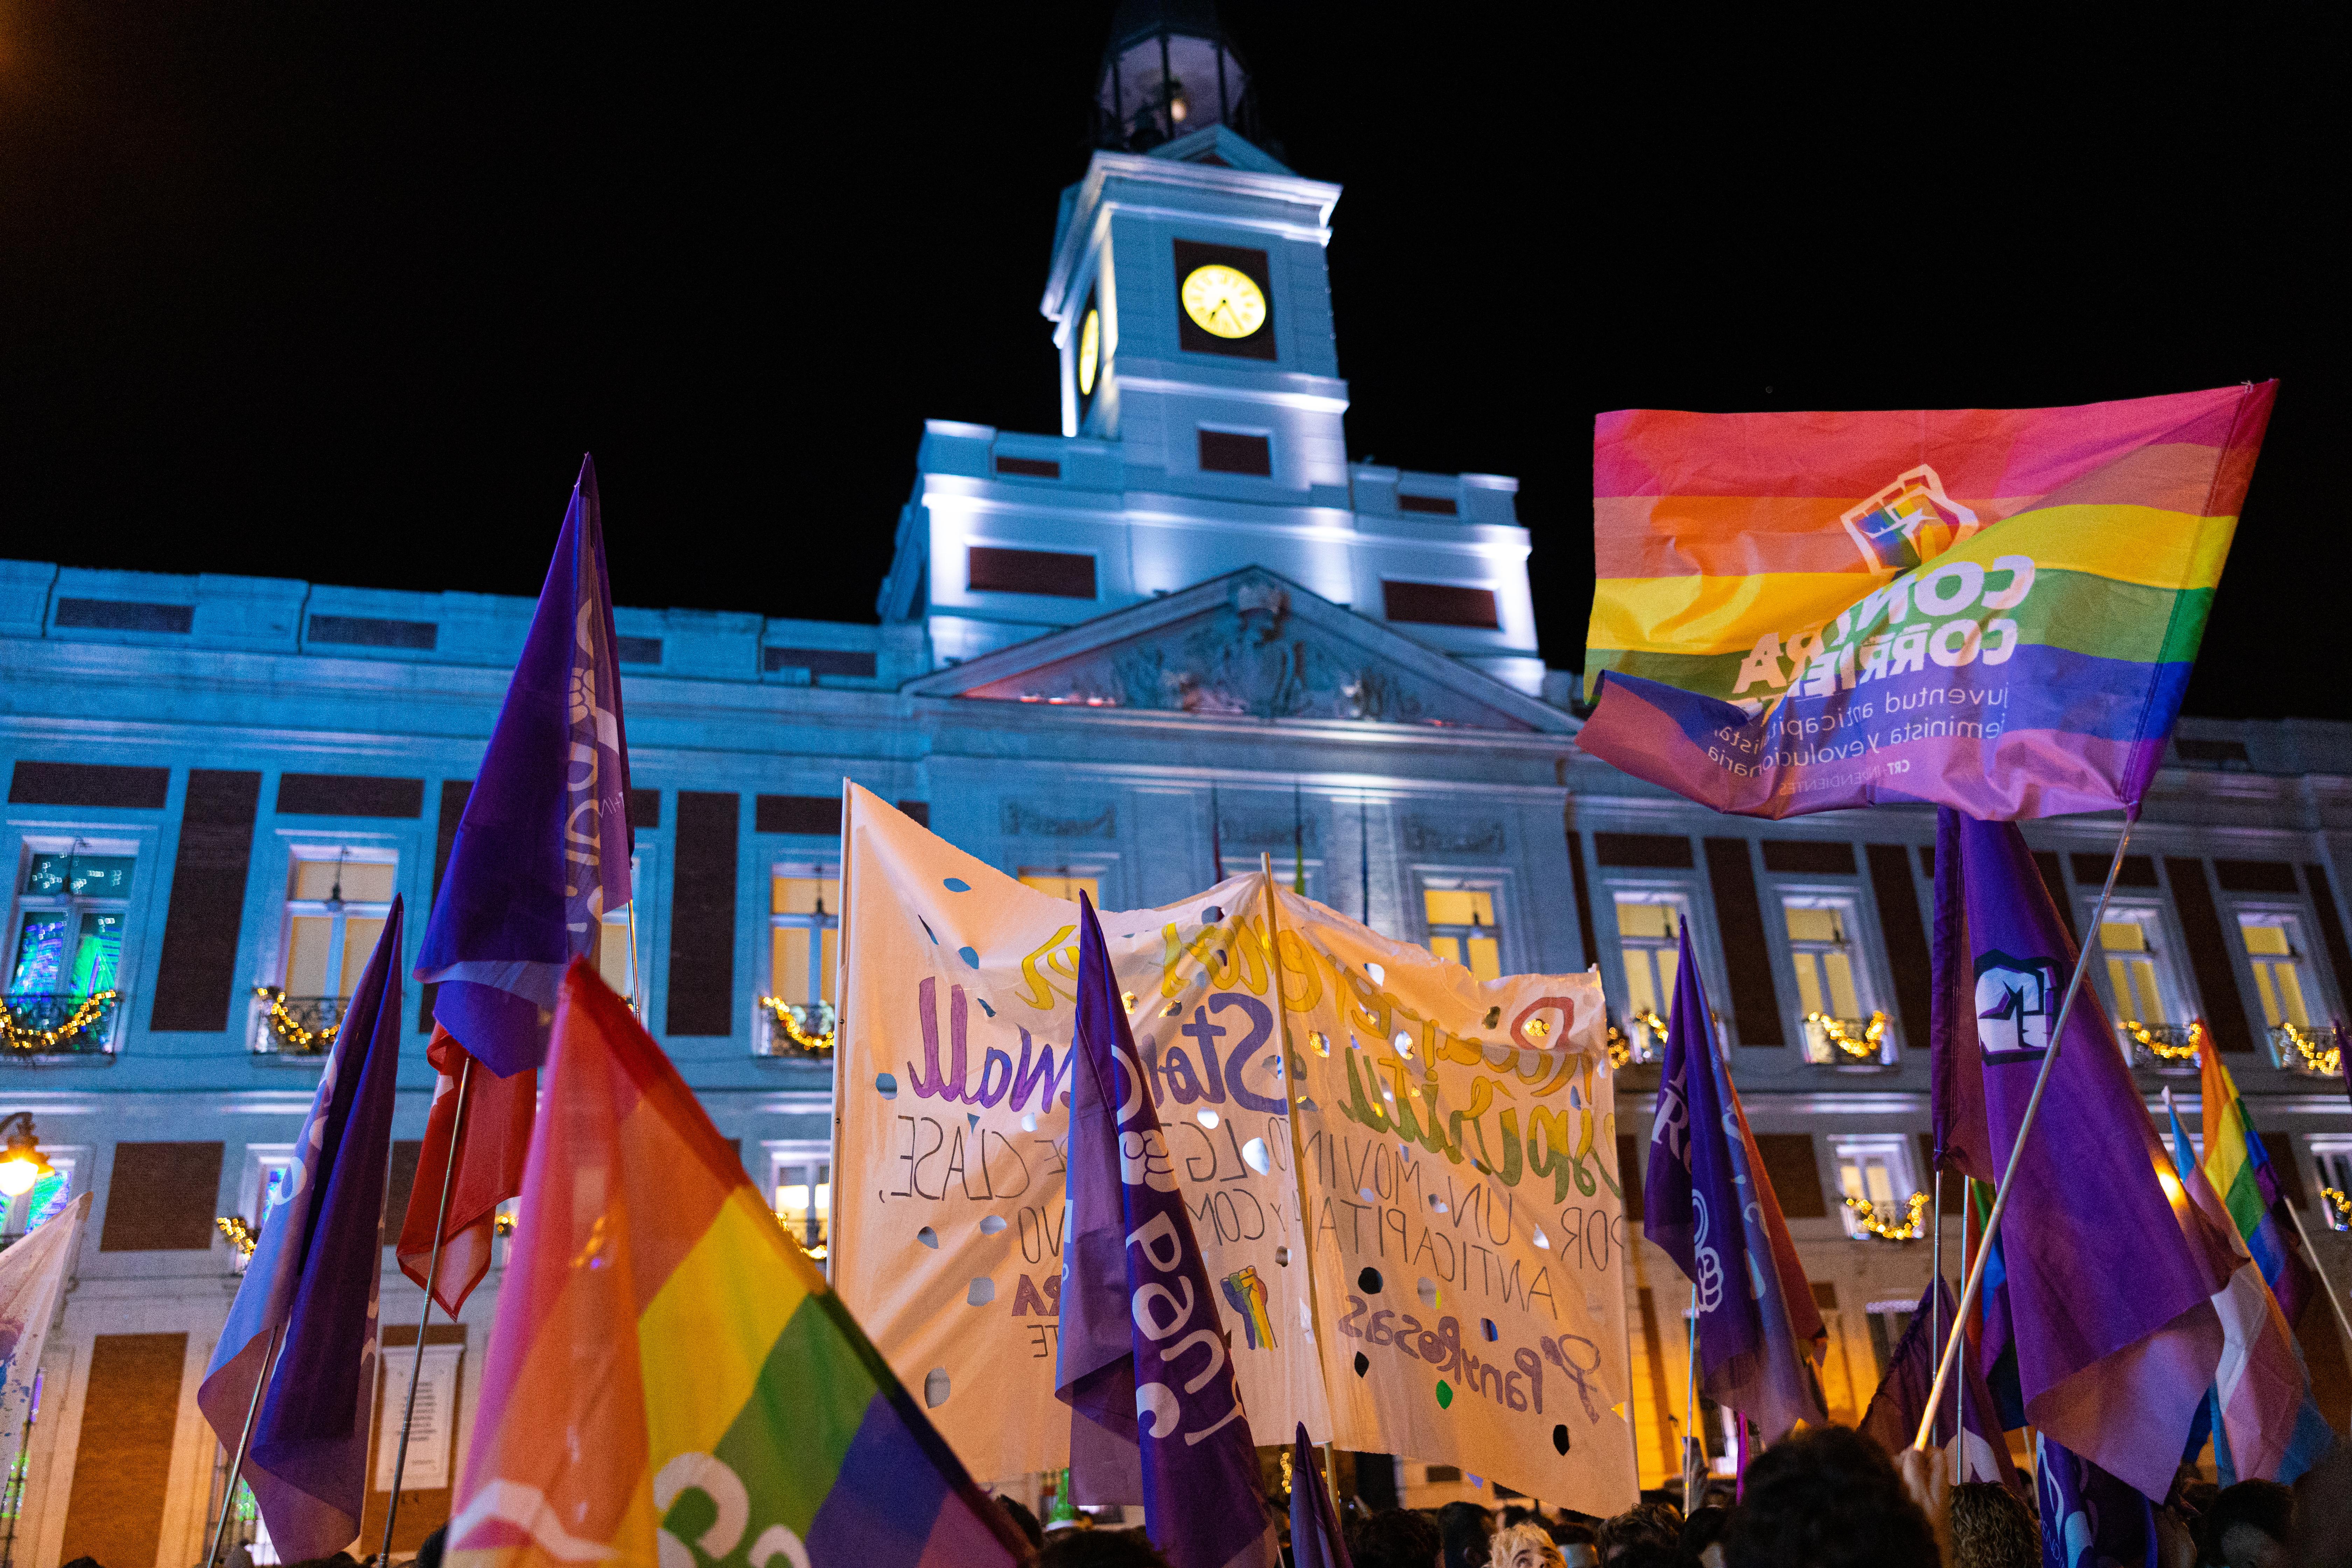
2239, 1167
1991, 609
669, 1378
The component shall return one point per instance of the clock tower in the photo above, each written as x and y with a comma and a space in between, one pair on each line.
1188, 290
1201, 435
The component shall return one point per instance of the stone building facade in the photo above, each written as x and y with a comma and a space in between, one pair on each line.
1182, 632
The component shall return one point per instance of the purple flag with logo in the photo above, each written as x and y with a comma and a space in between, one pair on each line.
1708, 1203
1895, 1410
542, 851
2089, 1519
1315, 1538
313, 1276
1144, 1365
2107, 1303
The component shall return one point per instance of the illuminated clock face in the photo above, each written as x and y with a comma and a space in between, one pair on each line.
1089, 352
1223, 302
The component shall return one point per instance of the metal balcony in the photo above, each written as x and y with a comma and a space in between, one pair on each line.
2305, 1052
793, 1031
299, 1029
2168, 1048
1849, 1045
57, 1025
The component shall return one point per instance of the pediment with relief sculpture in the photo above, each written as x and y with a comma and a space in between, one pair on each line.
1249, 645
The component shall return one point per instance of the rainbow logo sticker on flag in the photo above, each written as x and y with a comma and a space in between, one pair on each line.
670, 1380
1992, 609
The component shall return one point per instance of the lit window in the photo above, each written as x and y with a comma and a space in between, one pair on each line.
801, 1178
336, 906
51, 1191
64, 952
803, 934
2277, 957
1841, 1025
1876, 1171
1817, 941
1648, 941
2134, 978
1889, 1321
2334, 1158
1462, 928
1060, 884
613, 965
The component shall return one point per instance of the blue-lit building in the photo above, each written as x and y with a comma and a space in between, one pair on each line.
1183, 631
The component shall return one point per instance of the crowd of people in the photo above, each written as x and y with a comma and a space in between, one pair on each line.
1825, 1499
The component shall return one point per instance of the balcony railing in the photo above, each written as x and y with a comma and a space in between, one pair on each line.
2311, 1053
296, 1029
1850, 1045
795, 1031
39, 1025
2169, 1048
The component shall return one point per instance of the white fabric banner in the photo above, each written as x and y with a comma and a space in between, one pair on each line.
32, 1275
1457, 1136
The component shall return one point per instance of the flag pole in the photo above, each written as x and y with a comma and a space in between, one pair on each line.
432, 1275
244, 1438
1960, 1413
636, 975
2025, 1130
1936, 1249
1298, 1149
1694, 1441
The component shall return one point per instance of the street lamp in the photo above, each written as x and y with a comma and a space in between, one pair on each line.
21, 1162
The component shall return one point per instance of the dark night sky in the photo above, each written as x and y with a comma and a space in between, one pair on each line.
341, 292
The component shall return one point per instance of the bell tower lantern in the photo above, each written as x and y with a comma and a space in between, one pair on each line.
1168, 72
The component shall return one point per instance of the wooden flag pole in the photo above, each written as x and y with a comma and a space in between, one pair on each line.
243, 1439
1297, 1148
2017, 1149
432, 1276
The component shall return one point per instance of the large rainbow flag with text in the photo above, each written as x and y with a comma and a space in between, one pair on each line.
1991, 609
669, 1378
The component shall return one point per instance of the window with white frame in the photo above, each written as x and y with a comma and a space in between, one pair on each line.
613, 953
1649, 945
2274, 948
800, 1179
1878, 1172
65, 942
51, 1191
338, 898
803, 946
267, 1181
1460, 915
1889, 1321
1842, 1023
2334, 1158
2140, 965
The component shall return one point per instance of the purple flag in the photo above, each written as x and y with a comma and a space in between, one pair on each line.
1956, 1086
1709, 1205
1902, 1399
542, 852
1315, 1540
2106, 1302
314, 1276
2090, 1519
1144, 1363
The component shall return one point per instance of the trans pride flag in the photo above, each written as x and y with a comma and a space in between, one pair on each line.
1992, 609
670, 1379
